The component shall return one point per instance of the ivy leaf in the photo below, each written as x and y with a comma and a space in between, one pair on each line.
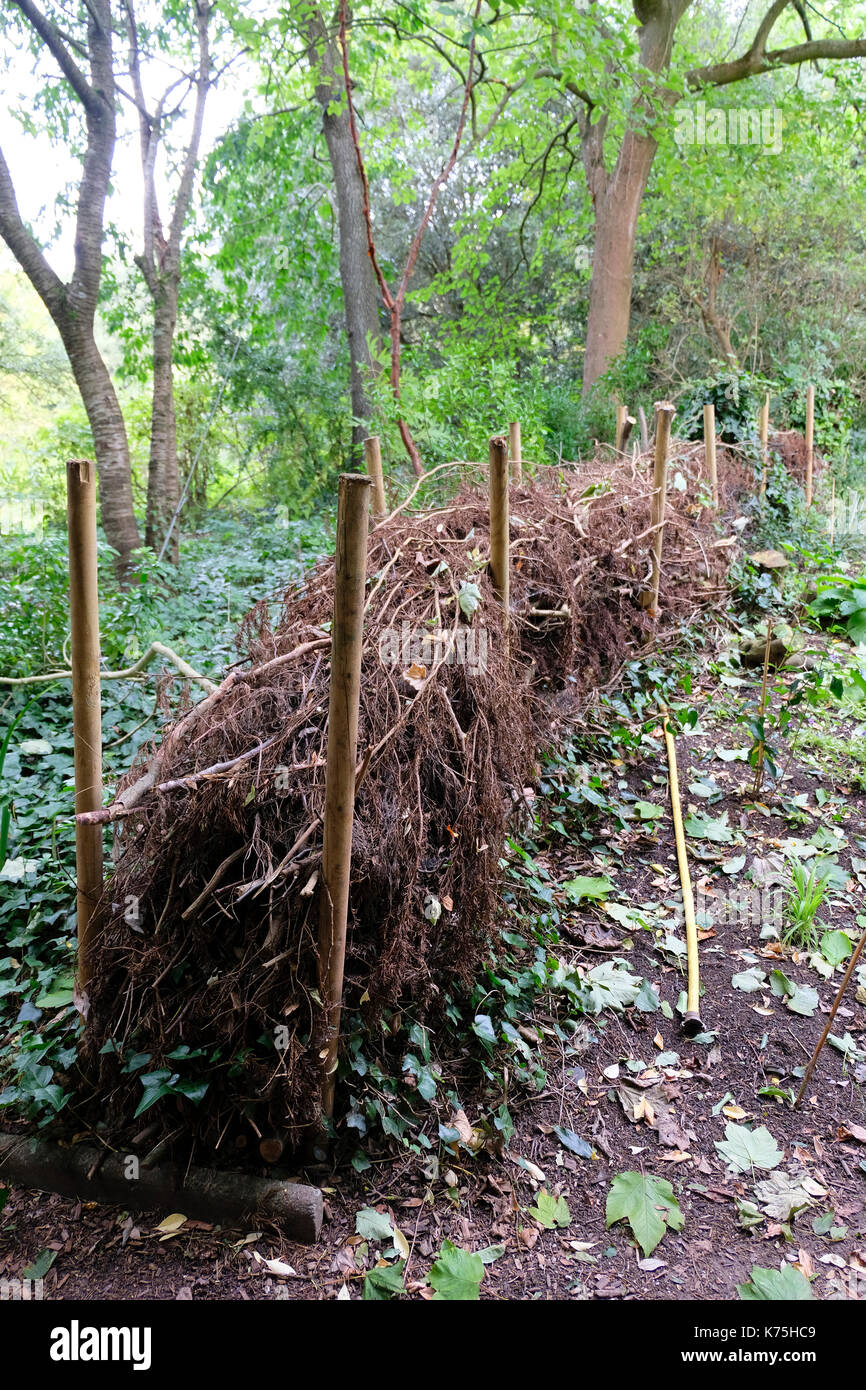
804, 1001
383, 1282
469, 599
550, 1211
750, 981
456, 1275
705, 828
572, 1141
373, 1224
647, 810
745, 1149
612, 986
775, 1286
648, 1205
590, 888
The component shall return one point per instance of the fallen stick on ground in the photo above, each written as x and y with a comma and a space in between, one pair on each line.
155, 649
202, 1193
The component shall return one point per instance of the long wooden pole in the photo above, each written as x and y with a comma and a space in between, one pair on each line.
829, 1024
373, 456
810, 441
353, 509
499, 524
692, 1024
764, 431
710, 451
86, 700
664, 416
515, 449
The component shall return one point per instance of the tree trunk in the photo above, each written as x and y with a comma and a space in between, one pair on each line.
616, 215
360, 294
110, 442
163, 488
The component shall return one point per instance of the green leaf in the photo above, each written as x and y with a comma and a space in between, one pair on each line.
744, 1149
383, 1282
469, 599
456, 1275
572, 1141
647, 810
490, 1253
776, 1286
705, 828
591, 888
550, 1211
649, 1206
373, 1224
835, 947
749, 981
804, 1001
612, 986
40, 1266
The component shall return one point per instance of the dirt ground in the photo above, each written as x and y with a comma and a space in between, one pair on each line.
691, 1090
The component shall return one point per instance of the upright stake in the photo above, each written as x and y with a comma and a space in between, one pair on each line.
621, 413
86, 702
710, 450
373, 455
664, 416
764, 429
829, 1024
515, 449
810, 441
832, 511
346, 643
499, 566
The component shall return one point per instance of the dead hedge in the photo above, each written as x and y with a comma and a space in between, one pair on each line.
222, 864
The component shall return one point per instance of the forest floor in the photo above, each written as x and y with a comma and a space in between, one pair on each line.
627, 1089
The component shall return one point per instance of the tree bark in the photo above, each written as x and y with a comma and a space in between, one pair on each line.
72, 306
160, 265
360, 295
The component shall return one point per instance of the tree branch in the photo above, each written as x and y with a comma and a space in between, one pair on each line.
50, 36
25, 248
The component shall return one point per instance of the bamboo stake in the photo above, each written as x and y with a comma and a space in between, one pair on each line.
692, 1024
710, 450
346, 649
515, 449
764, 430
826, 1033
86, 701
499, 525
664, 416
810, 441
759, 767
373, 456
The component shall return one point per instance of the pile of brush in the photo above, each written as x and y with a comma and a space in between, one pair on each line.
218, 830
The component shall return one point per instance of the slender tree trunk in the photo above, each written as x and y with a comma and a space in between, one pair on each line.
163, 486
360, 294
110, 442
616, 214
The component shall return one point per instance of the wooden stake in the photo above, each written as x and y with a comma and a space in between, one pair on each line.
346, 645
515, 450
373, 456
499, 561
621, 413
829, 1024
710, 451
810, 441
759, 766
664, 416
86, 701
692, 1024
764, 429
